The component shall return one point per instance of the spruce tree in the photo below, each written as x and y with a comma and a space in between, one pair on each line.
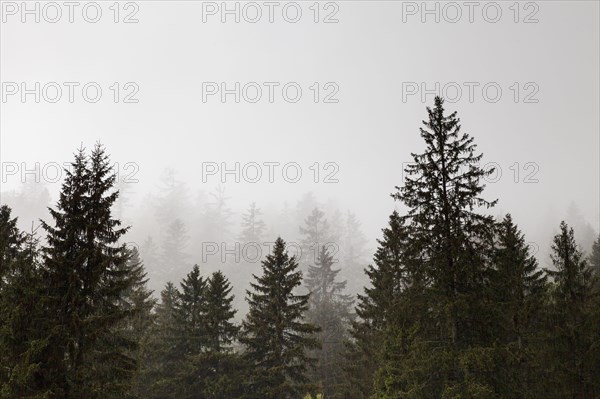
573, 334
595, 258
190, 314
138, 300
21, 340
11, 241
330, 310
274, 334
253, 227
518, 298
392, 273
315, 234
159, 379
174, 254
216, 220
217, 372
442, 192
251, 240
219, 329
353, 253
83, 270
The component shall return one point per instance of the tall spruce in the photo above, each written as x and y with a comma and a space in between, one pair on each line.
83, 269
274, 334
442, 191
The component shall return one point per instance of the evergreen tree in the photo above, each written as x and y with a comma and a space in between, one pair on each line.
163, 357
173, 200
152, 263
573, 344
217, 372
174, 256
390, 275
190, 314
11, 241
330, 310
220, 331
250, 246
274, 334
595, 257
315, 234
518, 299
21, 341
442, 192
138, 300
216, 221
353, 253
85, 277
253, 227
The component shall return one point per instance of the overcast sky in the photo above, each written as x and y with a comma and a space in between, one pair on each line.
369, 68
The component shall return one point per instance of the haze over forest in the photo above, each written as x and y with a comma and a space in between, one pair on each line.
346, 133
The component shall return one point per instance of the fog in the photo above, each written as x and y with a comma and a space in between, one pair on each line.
374, 70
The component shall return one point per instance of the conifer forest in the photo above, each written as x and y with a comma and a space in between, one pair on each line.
179, 237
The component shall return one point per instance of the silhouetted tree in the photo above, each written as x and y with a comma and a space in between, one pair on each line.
275, 337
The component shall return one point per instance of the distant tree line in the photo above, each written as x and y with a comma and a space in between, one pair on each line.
456, 306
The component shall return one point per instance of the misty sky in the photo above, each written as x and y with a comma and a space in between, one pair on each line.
374, 53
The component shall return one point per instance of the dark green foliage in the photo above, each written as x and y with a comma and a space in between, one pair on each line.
216, 372
190, 314
573, 326
220, 331
387, 277
21, 340
86, 278
595, 257
274, 334
451, 241
161, 363
518, 295
11, 241
456, 308
138, 301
